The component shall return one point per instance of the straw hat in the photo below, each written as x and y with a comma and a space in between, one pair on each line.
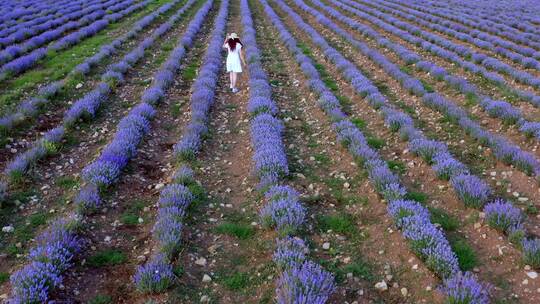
233, 36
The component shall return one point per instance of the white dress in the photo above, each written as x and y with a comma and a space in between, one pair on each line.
233, 59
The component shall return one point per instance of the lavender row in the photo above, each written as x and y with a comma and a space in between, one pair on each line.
107, 168
29, 10
450, 51
26, 62
498, 108
410, 216
157, 275
480, 26
430, 47
34, 27
300, 280
28, 286
526, 57
12, 51
502, 149
31, 107
53, 254
519, 32
87, 106
471, 190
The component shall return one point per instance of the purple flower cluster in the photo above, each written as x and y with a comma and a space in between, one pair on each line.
464, 288
283, 211
426, 240
51, 256
531, 252
173, 202
156, 276
46, 145
305, 283
503, 216
290, 251
203, 90
471, 190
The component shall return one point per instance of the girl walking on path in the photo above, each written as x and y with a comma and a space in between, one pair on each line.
235, 58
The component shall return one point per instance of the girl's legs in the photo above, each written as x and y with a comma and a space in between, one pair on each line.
233, 79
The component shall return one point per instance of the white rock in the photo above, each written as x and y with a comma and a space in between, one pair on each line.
326, 246
159, 186
205, 299
200, 261
404, 291
525, 282
523, 199
415, 267
206, 278
78, 86
107, 239
140, 220
428, 288
381, 286
8, 229
346, 185
532, 274
527, 267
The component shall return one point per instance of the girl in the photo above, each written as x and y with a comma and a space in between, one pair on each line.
234, 58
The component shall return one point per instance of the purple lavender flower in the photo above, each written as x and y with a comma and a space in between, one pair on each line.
401, 209
175, 195
167, 231
259, 105
33, 282
464, 288
503, 215
101, 173
430, 244
290, 251
305, 283
426, 148
446, 166
394, 191
156, 276
184, 175
531, 252
396, 120
277, 192
382, 177
471, 190
286, 214
152, 95
88, 199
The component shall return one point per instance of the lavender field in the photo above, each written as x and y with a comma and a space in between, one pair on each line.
378, 151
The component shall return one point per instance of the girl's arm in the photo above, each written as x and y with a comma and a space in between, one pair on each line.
242, 57
225, 42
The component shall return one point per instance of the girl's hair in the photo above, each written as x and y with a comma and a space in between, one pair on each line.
232, 43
